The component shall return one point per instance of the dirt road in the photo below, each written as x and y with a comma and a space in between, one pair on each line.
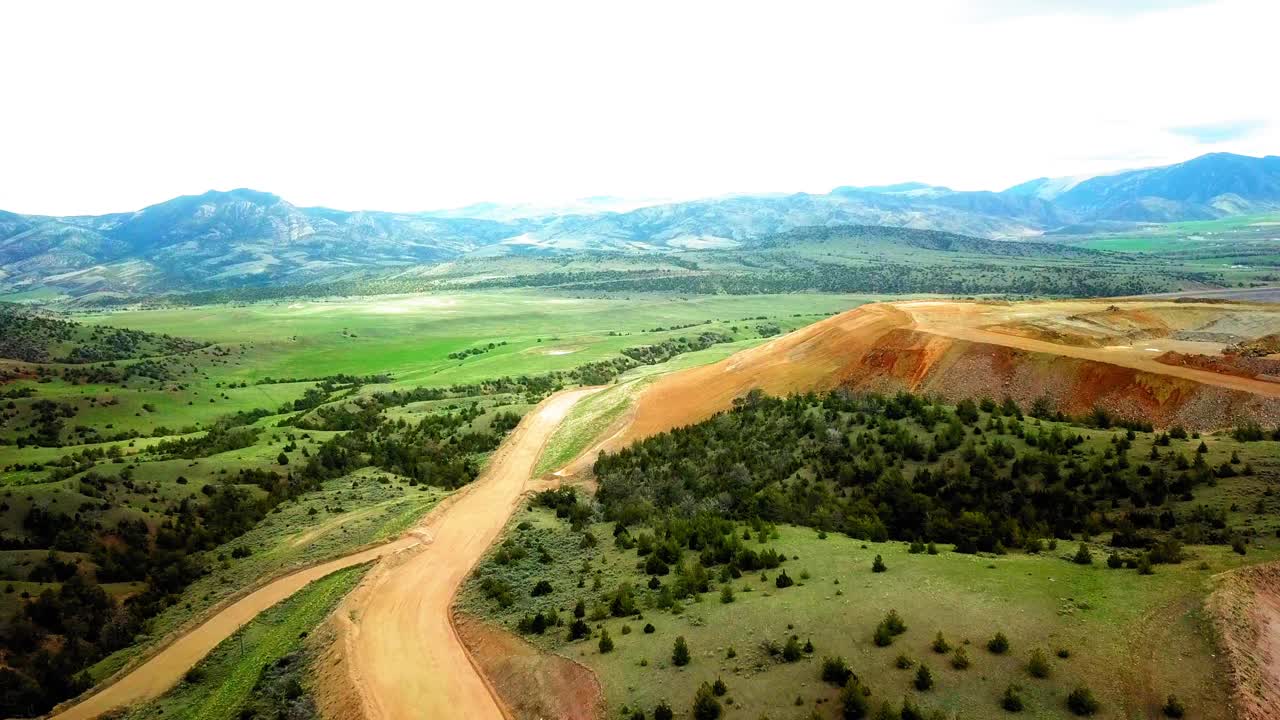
403, 656
163, 670
412, 612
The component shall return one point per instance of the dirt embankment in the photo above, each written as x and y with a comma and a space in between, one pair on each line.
966, 350
531, 683
1246, 613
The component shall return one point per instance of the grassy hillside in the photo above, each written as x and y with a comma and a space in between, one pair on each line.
694, 540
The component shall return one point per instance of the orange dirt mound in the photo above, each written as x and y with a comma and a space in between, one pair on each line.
1246, 612
819, 356
530, 682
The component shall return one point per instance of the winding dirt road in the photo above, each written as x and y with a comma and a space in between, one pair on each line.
404, 657
404, 644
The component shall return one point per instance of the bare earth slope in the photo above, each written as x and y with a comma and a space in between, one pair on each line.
1080, 353
1246, 611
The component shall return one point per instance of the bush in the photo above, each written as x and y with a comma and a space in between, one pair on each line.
1114, 562
924, 678
648, 628
1038, 665
909, 710
542, 587
894, 622
783, 580
1011, 700
580, 610
1173, 707
726, 593
663, 711
791, 651
835, 670
853, 701
680, 652
579, 629
940, 644
882, 637
878, 565
903, 662
1082, 702
606, 642
1083, 556
932, 549
705, 705
719, 688
998, 644
960, 659
1063, 653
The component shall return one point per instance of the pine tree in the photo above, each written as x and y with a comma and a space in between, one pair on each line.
680, 652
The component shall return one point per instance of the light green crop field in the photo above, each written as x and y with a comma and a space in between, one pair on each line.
230, 676
411, 336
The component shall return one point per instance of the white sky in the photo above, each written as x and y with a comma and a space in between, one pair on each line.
110, 106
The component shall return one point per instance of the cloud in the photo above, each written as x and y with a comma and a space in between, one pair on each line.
1211, 133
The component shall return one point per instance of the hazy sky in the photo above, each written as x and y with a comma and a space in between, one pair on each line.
414, 106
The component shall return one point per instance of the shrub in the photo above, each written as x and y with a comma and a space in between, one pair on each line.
606, 642
940, 644
791, 650
1038, 665
1082, 702
705, 704
853, 701
719, 688
1011, 700
783, 580
924, 678
886, 712
1173, 707
648, 628
663, 711
580, 610
680, 652
835, 670
932, 549
726, 593
903, 662
579, 629
1114, 562
894, 622
1063, 653
1144, 566
960, 659
998, 644
878, 565
916, 548
909, 710
542, 587
1083, 556
882, 637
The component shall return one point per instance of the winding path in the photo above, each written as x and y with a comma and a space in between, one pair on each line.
406, 646
404, 657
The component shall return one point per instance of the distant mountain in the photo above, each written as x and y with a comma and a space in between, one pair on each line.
1209, 186
247, 237
223, 238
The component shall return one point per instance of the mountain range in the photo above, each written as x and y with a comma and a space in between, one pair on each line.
246, 237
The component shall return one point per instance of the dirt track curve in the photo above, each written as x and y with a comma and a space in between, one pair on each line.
411, 607
404, 657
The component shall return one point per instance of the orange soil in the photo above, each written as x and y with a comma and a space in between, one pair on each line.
403, 655
530, 682
955, 348
1246, 611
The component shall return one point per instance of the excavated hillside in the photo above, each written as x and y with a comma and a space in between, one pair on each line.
1168, 362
